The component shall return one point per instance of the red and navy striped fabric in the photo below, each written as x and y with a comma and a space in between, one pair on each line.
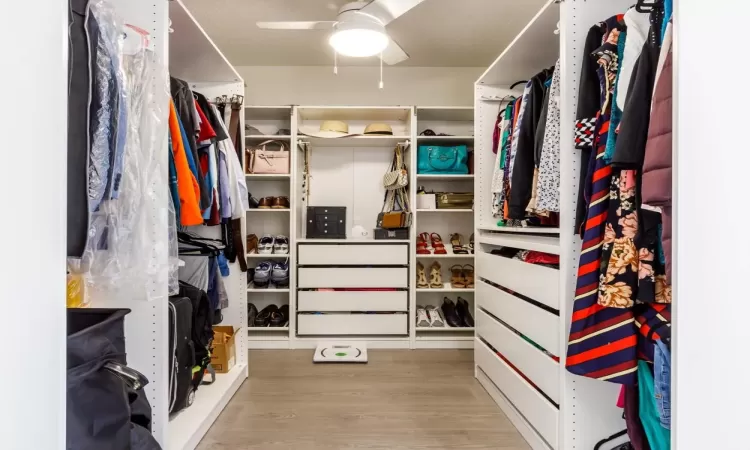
603, 341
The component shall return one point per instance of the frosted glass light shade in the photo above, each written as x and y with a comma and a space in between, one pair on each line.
358, 42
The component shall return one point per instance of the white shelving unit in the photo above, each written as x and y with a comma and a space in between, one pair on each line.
572, 413
457, 121
192, 56
271, 119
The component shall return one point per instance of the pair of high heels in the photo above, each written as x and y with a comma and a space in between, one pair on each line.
436, 276
462, 277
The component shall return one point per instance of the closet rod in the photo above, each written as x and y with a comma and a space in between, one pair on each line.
303, 143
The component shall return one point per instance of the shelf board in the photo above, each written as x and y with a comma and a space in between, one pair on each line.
267, 176
355, 141
348, 113
267, 210
444, 329
439, 177
449, 255
355, 241
262, 256
266, 329
445, 113
446, 288
445, 140
266, 137
546, 244
534, 48
193, 56
442, 337
253, 289
187, 427
445, 210
535, 230
267, 113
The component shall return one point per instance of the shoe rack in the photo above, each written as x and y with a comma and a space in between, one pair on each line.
458, 122
274, 221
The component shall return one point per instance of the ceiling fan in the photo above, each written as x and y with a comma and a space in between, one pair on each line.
359, 29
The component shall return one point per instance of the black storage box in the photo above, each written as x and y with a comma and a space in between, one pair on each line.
326, 222
391, 233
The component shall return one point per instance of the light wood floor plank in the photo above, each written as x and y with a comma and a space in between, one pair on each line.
400, 400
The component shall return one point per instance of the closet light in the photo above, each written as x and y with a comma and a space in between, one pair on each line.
360, 39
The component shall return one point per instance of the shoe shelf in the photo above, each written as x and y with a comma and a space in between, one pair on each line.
444, 329
267, 177
445, 211
532, 230
268, 210
450, 254
266, 329
269, 290
446, 288
270, 255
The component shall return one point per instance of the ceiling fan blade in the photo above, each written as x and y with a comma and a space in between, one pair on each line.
325, 25
394, 54
389, 10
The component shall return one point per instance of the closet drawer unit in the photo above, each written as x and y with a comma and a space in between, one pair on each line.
352, 301
538, 367
539, 325
352, 324
353, 255
537, 410
352, 277
539, 283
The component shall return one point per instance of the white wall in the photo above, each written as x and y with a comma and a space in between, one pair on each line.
318, 85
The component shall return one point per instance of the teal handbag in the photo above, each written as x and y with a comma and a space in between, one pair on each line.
439, 159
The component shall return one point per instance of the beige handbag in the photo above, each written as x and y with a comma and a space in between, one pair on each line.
263, 161
397, 176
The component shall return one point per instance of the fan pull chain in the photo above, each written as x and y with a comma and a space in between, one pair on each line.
335, 62
381, 71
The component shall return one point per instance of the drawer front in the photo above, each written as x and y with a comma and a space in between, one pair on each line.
352, 254
352, 277
539, 412
539, 325
352, 301
352, 324
539, 283
538, 367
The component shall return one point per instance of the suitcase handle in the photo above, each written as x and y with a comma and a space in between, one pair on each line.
131, 377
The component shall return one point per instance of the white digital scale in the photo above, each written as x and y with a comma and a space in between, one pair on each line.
341, 352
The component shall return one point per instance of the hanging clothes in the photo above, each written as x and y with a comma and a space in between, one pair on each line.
638, 25
185, 110
190, 213
237, 186
548, 182
503, 140
658, 437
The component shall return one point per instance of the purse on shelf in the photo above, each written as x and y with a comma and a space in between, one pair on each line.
395, 212
455, 200
264, 161
397, 177
442, 160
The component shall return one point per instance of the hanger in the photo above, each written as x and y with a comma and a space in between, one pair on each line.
199, 245
611, 438
517, 83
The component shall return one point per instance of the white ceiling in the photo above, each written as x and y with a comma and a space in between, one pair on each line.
436, 33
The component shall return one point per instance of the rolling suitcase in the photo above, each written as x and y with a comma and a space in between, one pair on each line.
181, 353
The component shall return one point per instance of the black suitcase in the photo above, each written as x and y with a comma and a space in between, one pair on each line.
181, 353
202, 329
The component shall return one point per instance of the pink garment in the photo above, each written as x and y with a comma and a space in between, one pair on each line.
621, 398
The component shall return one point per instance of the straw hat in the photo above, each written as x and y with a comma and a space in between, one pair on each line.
379, 128
328, 129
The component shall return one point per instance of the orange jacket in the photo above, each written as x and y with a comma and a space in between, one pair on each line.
187, 185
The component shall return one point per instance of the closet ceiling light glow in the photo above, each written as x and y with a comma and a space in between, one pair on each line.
358, 41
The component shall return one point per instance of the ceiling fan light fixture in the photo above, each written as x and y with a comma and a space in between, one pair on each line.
359, 39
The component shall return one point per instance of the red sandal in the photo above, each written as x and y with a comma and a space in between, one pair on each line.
422, 248
437, 244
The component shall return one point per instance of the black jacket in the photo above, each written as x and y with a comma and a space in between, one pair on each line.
523, 166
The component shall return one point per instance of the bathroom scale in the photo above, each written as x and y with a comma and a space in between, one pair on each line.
341, 352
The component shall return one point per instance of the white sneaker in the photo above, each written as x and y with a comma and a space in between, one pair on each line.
281, 245
436, 320
422, 319
265, 244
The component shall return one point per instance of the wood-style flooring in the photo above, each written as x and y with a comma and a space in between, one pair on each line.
401, 399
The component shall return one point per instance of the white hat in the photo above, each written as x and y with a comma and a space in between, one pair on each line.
327, 129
